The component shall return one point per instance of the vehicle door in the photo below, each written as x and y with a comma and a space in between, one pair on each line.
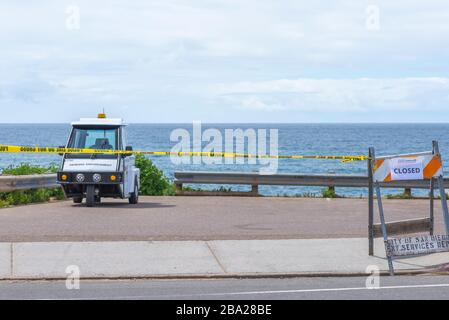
128, 166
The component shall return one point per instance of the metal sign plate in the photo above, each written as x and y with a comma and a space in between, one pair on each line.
407, 168
417, 245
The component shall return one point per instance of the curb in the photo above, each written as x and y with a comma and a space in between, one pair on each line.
411, 272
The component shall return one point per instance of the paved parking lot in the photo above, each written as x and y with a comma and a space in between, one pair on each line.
200, 218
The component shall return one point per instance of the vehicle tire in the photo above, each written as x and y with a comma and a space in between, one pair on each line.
134, 197
90, 196
77, 199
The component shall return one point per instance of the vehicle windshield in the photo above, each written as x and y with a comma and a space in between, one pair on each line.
94, 138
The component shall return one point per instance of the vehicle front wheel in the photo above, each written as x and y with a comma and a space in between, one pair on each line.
90, 196
134, 197
77, 199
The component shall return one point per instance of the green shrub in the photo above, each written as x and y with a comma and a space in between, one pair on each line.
58, 193
26, 169
152, 180
400, 196
18, 197
329, 193
29, 196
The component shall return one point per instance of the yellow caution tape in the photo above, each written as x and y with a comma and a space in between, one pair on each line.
30, 149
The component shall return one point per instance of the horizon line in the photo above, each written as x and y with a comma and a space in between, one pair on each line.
271, 123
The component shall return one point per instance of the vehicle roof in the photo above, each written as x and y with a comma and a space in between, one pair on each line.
99, 122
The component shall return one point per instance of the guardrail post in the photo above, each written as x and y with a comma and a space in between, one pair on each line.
370, 203
255, 189
408, 192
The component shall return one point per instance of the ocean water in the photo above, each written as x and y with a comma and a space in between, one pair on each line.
304, 139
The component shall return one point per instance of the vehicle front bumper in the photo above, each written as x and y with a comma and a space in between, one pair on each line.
106, 178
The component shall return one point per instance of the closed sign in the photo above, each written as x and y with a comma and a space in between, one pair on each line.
406, 169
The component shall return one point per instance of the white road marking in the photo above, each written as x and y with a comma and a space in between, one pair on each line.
418, 286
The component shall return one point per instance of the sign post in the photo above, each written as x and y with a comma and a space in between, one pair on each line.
370, 203
436, 150
417, 166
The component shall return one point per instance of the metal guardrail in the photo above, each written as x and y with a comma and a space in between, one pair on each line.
320, 180
12, 183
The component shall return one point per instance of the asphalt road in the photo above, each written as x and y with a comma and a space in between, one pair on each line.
396, 288
201, 218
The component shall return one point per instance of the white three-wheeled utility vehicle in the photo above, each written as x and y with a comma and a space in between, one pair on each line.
93, 176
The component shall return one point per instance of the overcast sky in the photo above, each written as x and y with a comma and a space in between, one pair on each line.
225, 60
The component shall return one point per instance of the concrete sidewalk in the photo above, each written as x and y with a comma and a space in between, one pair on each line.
221, 258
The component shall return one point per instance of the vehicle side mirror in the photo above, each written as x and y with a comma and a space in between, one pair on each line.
128, 148
61, 147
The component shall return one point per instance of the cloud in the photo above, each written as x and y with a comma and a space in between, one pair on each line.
167, 58
338, 95
31, 89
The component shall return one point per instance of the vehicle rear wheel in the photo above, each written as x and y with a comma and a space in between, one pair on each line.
77, 199
90, 196
134, 197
